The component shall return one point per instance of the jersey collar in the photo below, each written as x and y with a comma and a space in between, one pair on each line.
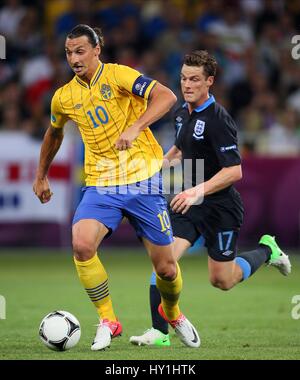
204, 105
95, 77
97, 74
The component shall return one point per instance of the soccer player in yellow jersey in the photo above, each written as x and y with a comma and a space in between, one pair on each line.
113, 106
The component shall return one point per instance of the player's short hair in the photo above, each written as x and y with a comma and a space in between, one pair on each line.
202, 58
94, 35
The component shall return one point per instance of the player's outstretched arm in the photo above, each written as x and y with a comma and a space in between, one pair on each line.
161, 100
50, 146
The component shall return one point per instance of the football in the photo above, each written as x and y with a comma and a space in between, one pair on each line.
60, 330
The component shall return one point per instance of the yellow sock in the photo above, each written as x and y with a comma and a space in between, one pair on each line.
95, 281
170, 291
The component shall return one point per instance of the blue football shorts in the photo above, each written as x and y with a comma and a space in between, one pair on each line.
143, 205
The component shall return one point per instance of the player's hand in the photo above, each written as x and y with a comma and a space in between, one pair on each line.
184, 200
42, 190
127, 137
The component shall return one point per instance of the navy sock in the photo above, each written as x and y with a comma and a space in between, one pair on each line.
157, 321
250, 261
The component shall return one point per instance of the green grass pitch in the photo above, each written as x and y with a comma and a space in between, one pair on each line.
252, 321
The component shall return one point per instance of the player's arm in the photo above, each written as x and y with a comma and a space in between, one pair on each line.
50, 146
160, 101
172, 158
224, 178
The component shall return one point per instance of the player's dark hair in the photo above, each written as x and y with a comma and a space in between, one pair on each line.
202, 58
94, 35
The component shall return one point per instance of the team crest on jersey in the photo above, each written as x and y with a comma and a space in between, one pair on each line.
106, 91
199, 129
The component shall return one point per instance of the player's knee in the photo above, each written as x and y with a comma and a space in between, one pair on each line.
83, 250
166, 271
221, 283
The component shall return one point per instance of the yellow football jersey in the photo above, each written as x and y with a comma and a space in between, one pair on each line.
116, 97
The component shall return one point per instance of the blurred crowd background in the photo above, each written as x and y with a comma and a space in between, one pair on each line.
258, 81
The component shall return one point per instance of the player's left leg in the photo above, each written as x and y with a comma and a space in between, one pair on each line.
149, 216
168, 276
169, 284
158, 334
158, 323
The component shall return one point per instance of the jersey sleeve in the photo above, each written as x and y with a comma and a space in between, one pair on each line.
58, 117
223, 136
133, 81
